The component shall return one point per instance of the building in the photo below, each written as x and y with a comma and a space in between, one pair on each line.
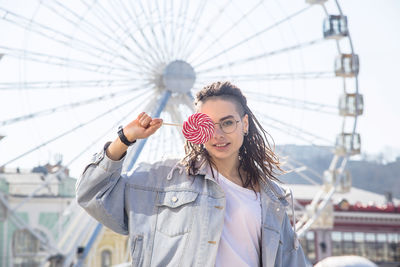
31, 203
364, 223
33, 206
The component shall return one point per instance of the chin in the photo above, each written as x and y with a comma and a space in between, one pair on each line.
220, 156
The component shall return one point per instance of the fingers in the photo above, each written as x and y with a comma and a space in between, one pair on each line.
156, 121
140, 115
154, 126
146, 121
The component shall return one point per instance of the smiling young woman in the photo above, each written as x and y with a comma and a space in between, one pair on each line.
220, 205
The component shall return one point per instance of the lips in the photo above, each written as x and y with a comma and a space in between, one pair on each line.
221, 145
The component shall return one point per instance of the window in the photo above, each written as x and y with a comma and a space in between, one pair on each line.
378, 247
27, 248
370, 244
359, 245
381, 247
24, 242
336, 243
310, 243
393, 247
106, 258
348, 244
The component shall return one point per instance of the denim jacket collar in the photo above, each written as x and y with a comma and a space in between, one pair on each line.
271, 188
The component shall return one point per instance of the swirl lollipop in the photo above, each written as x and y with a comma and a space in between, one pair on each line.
198, 129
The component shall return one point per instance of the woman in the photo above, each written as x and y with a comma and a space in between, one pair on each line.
218, 206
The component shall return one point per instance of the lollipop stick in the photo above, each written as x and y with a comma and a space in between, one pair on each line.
172, 124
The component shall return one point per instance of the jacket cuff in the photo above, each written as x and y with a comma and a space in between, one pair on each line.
107, 164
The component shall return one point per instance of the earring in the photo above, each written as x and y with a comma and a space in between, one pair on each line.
245, 133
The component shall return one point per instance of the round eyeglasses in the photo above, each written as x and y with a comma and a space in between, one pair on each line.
228, 125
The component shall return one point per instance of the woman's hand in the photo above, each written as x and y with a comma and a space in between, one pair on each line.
142, 127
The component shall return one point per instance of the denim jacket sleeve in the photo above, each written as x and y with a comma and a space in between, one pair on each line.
101, 192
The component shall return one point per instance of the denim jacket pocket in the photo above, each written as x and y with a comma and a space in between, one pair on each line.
176, 210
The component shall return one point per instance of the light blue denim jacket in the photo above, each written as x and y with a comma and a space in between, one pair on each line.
173, 219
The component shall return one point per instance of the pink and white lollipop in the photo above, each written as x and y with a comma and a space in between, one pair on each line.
199, 128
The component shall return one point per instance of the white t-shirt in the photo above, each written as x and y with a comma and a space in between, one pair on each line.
241, 235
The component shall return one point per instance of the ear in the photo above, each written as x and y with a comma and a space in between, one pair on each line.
246, 123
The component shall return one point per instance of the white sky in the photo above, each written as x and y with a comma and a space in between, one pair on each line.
374, 27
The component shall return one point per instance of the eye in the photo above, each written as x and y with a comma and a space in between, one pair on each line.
227, 123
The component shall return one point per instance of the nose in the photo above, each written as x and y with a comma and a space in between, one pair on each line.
217, 131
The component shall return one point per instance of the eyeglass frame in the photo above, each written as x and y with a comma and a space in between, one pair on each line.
229, 117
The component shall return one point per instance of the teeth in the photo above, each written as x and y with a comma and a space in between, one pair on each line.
219, 145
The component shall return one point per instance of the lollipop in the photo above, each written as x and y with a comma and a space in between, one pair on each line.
198, 129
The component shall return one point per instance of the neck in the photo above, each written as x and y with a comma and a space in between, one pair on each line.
227, 167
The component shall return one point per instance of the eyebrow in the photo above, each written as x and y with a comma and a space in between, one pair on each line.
226, 117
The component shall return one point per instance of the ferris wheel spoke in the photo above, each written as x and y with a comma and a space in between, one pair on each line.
294, 131
171, 30
62, 61
81, 19
116, 39
233, 26
157, 59
169, 14
116, 107
300, 172
308, 168
168, 9
54, 35
253, 36
261, 56
179, 27
163, 33
293, 103
191, 30
105, 17
301, 167
64, 107
150, 51
89, 29
67, 84
157, 39
273, 76
204, 32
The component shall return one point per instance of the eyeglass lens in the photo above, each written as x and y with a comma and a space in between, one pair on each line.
228, 125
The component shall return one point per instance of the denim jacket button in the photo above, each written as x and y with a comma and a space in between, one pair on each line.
174, 199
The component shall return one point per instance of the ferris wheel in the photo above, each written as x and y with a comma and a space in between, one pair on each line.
71, 72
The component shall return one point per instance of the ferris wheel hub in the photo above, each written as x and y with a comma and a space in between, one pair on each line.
178, 76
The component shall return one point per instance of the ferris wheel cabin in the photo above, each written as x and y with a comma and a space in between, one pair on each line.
335, 27
347, 65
